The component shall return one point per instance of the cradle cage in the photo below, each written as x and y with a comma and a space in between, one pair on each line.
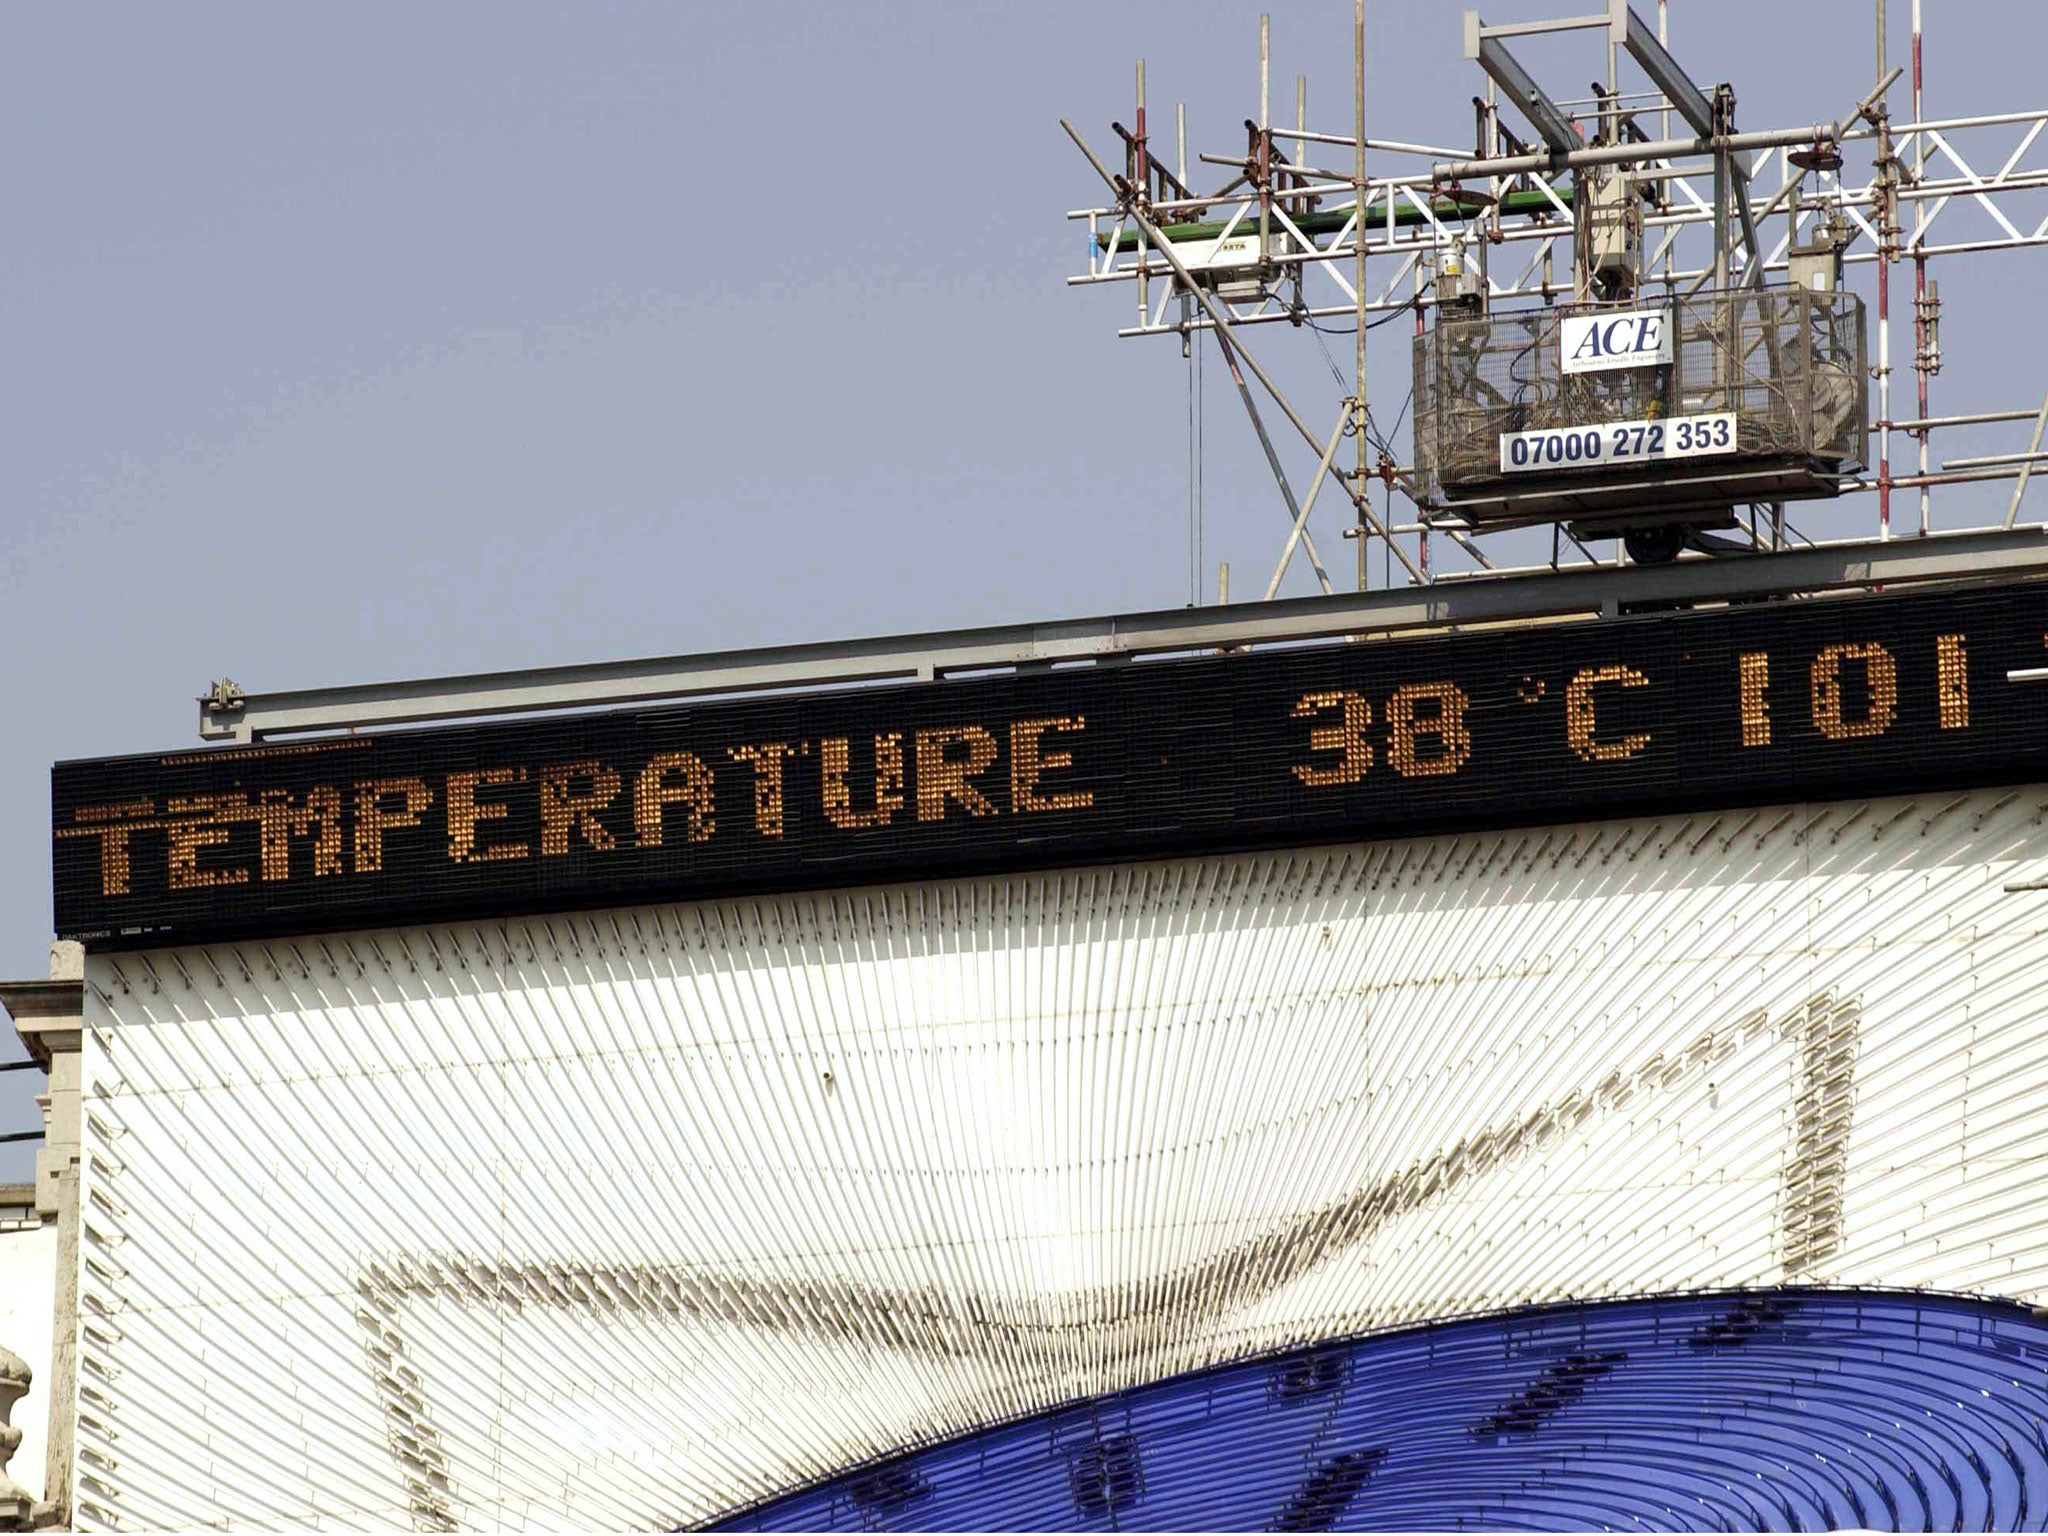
1778, 372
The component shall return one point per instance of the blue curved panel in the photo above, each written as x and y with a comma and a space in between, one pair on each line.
1783, 1410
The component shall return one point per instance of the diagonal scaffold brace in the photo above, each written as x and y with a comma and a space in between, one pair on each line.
1233, 346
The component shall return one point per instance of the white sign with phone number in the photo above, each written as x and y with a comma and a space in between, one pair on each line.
1617, 442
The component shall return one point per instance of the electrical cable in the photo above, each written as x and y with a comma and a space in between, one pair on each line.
1352, 330
1335, 372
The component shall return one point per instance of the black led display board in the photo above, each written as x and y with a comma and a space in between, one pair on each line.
1807, 700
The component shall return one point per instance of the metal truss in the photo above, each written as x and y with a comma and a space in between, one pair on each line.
1412, 221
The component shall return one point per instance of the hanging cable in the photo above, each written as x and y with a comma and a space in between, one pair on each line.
1352, 330
1197, 541
1335, 372
1383, 440
1194, 567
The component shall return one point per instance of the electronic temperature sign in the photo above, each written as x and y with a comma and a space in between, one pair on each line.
1693, 711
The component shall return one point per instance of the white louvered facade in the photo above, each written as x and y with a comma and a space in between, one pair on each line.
625, 1218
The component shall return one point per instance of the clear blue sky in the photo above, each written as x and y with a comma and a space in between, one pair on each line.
368, 341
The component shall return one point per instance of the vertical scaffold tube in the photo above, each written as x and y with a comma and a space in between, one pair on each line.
1885, 252
1358, 484
1921, 327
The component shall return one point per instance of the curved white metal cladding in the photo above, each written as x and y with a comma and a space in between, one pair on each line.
626, 1218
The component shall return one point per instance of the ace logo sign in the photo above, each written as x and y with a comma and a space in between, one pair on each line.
1634, 338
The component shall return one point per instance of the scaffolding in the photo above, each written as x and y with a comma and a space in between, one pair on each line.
1739, 238
1647, 194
